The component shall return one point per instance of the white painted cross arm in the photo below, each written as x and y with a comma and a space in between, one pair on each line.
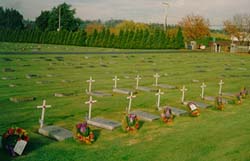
90, 80
90, 101
44, 105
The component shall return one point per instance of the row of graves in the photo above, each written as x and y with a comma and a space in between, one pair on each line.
16, 139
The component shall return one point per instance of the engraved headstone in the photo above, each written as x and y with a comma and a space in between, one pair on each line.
122, 91
199, 104
104, 123
145, 115
212, 99
98, 94
55, 132
177, 111
167, 86
146, 89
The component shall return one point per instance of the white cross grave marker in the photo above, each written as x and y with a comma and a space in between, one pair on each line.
90, 81
115, 79
157, 76
43, 107
137, 81
203, 86
130, 97
90, 102
183, 94
220, 84
159, 93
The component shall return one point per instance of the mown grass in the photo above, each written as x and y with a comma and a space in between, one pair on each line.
215, 135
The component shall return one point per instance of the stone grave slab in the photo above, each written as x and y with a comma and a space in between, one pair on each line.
167, 86
146, 116
177, 111
229, 94
211, 98
146, 89
122, 91
201, 104
98, 94
104, 123
55, 132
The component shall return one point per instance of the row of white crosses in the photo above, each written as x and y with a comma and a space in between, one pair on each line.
137, 78
159, 93
203, 86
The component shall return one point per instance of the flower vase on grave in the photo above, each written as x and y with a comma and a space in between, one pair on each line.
244, 92
84, 133
130, 122
219, 103
193, 109
167, 116
238, 99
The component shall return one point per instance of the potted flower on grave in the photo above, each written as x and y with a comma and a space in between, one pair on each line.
12, 138
130, 122
84, 133
167, 116
238, 99
219, 103
193, 109
244, 93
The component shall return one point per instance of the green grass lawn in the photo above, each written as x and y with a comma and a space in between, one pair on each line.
215, 135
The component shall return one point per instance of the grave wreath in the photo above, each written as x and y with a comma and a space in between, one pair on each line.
12, 137
130, 122
194, 111
167, 116
84, 133
219, 103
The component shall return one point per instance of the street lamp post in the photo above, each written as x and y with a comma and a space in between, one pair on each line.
166, 4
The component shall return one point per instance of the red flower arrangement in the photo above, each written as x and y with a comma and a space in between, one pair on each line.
130, 122
84, 134
219, 103
11, 137
167, 116
194, 110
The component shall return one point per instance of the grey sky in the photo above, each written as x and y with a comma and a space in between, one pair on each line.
138, 10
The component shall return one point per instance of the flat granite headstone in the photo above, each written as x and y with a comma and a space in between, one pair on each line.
177, 111
229, 94
122, 91
56, 132
199, 104
98, 94
167, 86
104, 123
211, 98
146, 89
146, 116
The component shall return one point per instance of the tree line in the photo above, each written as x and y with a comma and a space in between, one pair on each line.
114, 34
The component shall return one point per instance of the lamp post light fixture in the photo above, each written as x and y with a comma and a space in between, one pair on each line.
166, 4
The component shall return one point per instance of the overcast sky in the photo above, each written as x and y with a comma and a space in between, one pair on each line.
149, 11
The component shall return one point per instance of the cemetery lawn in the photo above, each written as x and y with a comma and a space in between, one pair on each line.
214, 136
